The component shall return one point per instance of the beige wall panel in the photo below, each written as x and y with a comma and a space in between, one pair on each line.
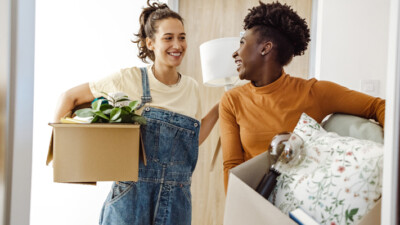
206, 20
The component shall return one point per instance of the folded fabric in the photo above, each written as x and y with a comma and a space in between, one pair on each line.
339, 180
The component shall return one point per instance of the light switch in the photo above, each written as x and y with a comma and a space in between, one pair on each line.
370, 87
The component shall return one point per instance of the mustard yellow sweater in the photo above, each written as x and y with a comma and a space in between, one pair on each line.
251, 116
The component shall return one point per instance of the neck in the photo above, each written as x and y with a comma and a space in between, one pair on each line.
269, 74
165, 74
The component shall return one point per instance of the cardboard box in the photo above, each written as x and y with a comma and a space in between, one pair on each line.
87, 153
245, 206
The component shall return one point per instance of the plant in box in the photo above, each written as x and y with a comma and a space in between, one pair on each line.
115, 108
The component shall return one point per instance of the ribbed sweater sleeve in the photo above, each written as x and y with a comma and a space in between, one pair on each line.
232, 151
334, 98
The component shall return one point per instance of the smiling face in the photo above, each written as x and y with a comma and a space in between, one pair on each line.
248, 57
169, 44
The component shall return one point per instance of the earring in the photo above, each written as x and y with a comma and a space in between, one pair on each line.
262, 53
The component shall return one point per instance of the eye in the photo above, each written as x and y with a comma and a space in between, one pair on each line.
168, 38
241, 42
182, 38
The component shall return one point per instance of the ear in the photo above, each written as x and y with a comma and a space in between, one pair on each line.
266, 47
149, 44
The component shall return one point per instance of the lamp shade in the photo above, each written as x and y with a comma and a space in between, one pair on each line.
217, 65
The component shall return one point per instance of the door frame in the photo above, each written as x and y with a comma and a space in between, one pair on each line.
17, 26
390, 184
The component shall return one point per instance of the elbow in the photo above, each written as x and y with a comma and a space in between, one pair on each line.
68, 98
66, 102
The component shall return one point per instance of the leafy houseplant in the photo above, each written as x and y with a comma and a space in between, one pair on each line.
117, 109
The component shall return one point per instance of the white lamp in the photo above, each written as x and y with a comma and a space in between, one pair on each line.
219, 69
217, 65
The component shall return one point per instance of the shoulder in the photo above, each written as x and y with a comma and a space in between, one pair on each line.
327, 86
238, 91
234, 95
189, 81
130, 72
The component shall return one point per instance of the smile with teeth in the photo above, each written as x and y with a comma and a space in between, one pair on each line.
174, 53
238, 62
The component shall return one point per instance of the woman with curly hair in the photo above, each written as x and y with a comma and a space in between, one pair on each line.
251, 115
172, 135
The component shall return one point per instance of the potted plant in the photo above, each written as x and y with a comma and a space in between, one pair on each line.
115, 108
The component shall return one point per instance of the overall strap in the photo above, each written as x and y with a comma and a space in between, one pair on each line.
146, 88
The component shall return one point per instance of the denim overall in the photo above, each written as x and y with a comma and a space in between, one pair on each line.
162, 193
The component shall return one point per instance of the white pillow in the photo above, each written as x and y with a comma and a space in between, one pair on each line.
354, 126
339, 180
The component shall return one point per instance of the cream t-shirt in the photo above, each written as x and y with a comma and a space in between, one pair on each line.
182, 97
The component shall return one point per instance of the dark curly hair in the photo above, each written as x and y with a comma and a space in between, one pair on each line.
148, 19
281, 25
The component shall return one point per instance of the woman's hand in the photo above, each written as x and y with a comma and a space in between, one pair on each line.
208, 122
72, 98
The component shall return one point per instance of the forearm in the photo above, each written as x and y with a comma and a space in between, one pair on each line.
65, 104
207, 123
228, 165
72, 98
334, 98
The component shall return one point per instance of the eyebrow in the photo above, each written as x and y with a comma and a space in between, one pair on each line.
173, 34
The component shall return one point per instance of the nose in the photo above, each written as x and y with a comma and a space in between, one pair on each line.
235, 54
176, 44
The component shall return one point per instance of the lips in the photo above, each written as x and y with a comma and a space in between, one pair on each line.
238, 64
176, 54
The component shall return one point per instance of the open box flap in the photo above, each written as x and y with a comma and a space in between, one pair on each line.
50, 153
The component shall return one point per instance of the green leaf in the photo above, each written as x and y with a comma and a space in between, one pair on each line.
95, 119
133, 105
101, 115
115, 114
107, 111
125, 110
139, 119
122, 99
350, 214
86, 112
116, 121
97, 104
126, 118
353, 211
105, 107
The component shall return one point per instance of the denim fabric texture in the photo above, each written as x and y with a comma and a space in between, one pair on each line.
162, 195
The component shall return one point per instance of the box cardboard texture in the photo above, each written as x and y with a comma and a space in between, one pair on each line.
87, 153
245, 206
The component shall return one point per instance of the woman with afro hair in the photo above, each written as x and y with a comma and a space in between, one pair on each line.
251, 115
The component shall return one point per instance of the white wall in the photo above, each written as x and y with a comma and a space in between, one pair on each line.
352, 43
76, 42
